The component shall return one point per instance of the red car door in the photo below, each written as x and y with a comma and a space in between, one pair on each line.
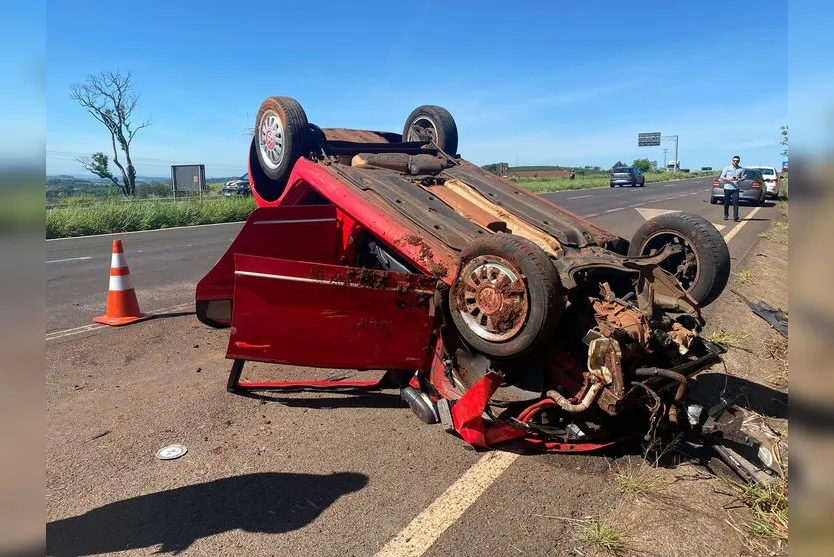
320, 315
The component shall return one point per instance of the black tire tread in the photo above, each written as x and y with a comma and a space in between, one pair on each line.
296, 133
448, 140
520, 252
712, 250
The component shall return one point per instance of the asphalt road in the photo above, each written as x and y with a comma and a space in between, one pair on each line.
166, 264
306, 474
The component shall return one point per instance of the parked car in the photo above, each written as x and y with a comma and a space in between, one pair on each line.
237, 187
374, 250
773, 184
751, 188
627, 176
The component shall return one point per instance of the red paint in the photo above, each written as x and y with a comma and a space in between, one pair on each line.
311, 314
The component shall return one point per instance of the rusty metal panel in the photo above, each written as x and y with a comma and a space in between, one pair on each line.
420, 206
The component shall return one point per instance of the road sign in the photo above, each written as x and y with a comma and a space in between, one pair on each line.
784, 166
650, 139
188, 177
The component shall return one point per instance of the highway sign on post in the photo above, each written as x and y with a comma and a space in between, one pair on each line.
651, 139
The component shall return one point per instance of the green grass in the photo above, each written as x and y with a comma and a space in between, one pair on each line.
132, 215
611, 538
632, 480
769, 504
542, 185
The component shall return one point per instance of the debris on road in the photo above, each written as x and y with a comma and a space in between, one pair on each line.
777, 318
171, 452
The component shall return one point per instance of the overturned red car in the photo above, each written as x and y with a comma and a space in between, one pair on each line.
495, 312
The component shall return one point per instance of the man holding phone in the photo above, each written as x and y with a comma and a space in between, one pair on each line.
730, 178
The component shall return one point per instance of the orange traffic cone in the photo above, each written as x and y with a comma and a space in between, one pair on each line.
122, 305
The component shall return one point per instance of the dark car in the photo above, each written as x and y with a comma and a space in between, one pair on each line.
751, 188
237, 187
627, 176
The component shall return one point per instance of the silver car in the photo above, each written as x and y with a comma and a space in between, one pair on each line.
751, 188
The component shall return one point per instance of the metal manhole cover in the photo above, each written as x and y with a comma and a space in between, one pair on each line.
171, 452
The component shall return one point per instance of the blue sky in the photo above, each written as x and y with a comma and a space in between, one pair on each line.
540, 83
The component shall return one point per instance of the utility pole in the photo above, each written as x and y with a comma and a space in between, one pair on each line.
675, 139
665, 150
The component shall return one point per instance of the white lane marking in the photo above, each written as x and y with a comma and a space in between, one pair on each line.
648, 214
93, 326
580, 196
590, 216
735, 230
69, 259
669, 185
427, 526
614, 210
144, 231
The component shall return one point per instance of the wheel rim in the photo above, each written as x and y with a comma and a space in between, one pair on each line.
685, 266
271, 139
422, 129
493, 299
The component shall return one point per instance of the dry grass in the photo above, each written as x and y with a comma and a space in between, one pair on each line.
777, 349
746, 277
637, 481
764, 235
781, 225
726, 339
769, 505
609, 537
783, 208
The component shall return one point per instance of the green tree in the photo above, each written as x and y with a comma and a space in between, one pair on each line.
99, 164
784, 139
643, 165
110, 98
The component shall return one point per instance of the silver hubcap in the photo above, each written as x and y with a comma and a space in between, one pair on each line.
271, 139
422, 129
492, 299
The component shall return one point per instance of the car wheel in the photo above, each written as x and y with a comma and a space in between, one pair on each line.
435, 124
713, 200
703, 268
507, 298
281, 136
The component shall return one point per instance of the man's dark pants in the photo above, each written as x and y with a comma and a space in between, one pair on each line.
731, 196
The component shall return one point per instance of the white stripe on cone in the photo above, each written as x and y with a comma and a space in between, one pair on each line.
117, 261
120, 283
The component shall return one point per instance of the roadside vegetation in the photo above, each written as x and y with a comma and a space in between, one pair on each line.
600, 180
104, 217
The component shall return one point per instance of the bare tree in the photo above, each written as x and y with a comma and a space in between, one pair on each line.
110, 97
784, 140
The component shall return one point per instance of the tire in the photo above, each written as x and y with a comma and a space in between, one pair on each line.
280, 118
610, 185
513, 320
701, 239
435, 124
713, 200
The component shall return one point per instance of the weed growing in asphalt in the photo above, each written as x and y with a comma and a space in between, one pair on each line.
769, 505
726, 339
633, 480
781, 225
764, 235
746, 277
603, 536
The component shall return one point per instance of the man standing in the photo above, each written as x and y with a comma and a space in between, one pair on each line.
730, 177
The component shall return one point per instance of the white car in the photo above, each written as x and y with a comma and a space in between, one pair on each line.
773, 185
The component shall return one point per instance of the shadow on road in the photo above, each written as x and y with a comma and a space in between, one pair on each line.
263, 503
708, 388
